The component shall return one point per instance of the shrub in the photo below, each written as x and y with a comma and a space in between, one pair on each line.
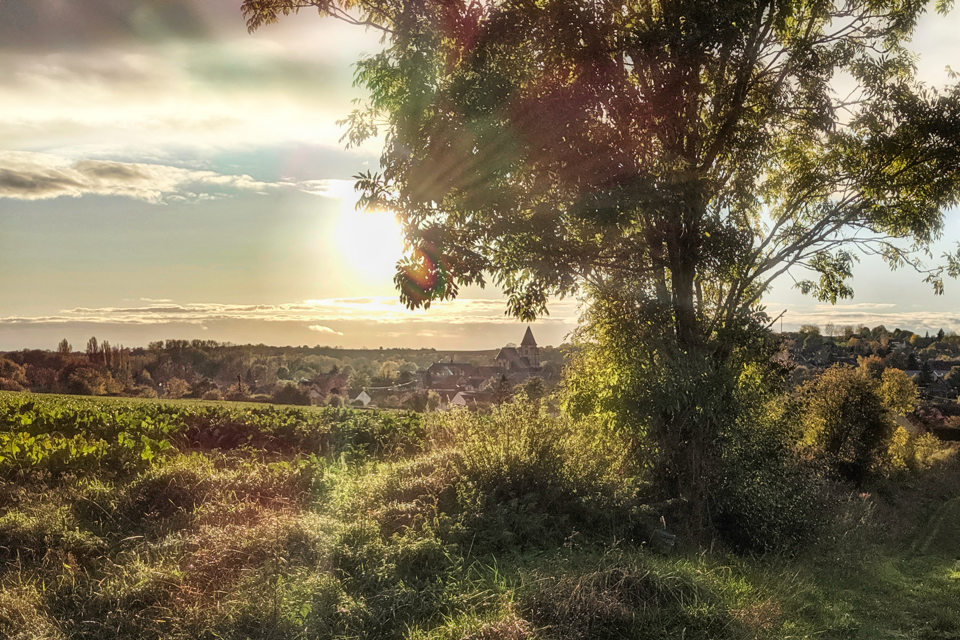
175, 388
86, 381
290, 394
237, 393
765, 498
213, 394
6, 384
13, 372
845, 421
897, 391
146, 392
529, 479
910, 452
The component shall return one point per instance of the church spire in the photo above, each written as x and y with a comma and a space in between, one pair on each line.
528, 340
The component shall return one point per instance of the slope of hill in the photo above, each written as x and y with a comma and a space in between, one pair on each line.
140, 519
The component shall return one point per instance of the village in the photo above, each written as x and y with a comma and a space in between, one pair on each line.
450, 384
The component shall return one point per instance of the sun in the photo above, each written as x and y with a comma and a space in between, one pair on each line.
371, 242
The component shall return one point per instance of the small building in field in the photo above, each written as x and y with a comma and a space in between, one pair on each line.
363, 398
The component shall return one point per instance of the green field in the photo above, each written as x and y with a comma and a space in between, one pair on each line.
128, 518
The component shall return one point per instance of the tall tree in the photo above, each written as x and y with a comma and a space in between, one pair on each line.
93, 349
695, 150
671, 158
64, 347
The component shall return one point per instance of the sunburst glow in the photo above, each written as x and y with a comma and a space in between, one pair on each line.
371, 242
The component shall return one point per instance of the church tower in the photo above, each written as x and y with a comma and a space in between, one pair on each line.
529, 349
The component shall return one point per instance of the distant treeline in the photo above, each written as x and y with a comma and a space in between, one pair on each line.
213, 370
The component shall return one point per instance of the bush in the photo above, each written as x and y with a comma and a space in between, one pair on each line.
897, 391
237, 394
910, 452
529, 479
6, 384
213, 394
13, 372
86, 381
845, 421
146, 392
175, 388
765, 498
290, 394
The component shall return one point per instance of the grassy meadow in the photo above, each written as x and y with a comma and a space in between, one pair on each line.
124, 518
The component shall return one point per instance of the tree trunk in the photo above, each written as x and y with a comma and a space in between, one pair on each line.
684, 254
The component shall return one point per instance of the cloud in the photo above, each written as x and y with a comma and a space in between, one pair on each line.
910, 320
53, 23
856, 307
319, 328
135, 95
367, 322
36, 176
318, 315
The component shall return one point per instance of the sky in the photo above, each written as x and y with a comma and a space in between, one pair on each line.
165, 174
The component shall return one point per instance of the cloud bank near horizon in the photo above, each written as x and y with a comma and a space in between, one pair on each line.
314, 314
362, 322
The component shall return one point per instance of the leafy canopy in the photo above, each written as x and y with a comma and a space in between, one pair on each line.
689, 151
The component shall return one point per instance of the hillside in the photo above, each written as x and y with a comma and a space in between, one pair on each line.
139, 519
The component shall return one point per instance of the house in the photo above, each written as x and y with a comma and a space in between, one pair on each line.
470, 399
363, 398
462, 399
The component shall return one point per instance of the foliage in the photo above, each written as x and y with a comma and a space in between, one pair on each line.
872, 365
291, 394
699, 427
846, 421
12, 372
680, 126
765, 499
533, 388
176, 388
213, 394
913, 452
276, 542
669, 160
953, 378
526, 478
56, 434
898, 391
